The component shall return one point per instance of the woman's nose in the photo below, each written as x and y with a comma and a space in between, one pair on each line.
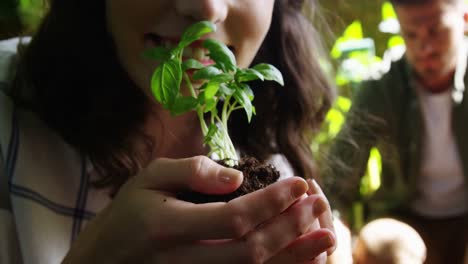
212, 10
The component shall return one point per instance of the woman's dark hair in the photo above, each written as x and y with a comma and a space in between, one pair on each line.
71, 77
288, 117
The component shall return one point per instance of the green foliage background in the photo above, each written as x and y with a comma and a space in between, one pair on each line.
341, 13
351, 22
20, 17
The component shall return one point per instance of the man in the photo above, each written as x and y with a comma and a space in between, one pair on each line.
417, 116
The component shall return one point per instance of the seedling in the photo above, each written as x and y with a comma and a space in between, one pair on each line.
222, 83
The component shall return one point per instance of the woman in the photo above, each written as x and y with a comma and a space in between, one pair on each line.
110, 158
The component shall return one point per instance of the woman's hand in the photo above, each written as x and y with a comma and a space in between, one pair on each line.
320, 239
147, 224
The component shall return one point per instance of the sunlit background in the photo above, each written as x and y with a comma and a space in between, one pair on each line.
365, 41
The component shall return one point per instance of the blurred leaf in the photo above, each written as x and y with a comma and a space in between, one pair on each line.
31, 12
210, 90
222, 78
192, 64
354, 31
336, 120
395, 41
343, 103
226, 90
157, 53
372, 180
336, 52
387, 11
206, 73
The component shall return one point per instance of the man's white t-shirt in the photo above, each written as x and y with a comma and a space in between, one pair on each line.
441, 185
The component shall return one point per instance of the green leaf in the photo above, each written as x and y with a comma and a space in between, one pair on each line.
195, 32
353, 31
158, 53
248, 91
247, 75
336, 52
206, 73
221, 54
212, 130
192, 64
226, 90
222, 78
343, 103
336, 120
210, 90
395, 41
372, 179
165, 82
270, 73
387, 11
184, 104
243, 99
205, 102
210, 105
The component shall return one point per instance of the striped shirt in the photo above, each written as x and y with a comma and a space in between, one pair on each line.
45, 197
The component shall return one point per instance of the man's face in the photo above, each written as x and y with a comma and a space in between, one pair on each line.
433, 34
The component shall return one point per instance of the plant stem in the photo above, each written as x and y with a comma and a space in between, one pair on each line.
223, 146
203, 125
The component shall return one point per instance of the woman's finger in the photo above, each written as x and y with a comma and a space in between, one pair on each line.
199, 174
282, 230
309, 248
326, 219
257, 246
227, 220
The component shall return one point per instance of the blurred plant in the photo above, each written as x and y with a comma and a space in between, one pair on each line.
31, 13
389, 22
355, 56
332, 125
356, 61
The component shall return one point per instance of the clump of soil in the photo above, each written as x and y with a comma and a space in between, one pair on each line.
257, 175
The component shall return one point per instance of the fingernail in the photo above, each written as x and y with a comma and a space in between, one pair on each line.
311, 187
319, 207
315, 184
230, 176
316, 187
299, 188
325, 242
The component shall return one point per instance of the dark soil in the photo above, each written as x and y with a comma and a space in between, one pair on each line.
257, 175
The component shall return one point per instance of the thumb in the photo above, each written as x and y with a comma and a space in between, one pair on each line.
199, 174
